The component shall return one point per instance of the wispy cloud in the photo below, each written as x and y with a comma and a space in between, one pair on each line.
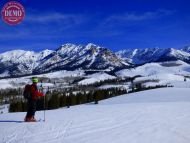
130, 17
43, 25
55, 17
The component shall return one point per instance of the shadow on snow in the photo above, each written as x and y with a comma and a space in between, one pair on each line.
11, 121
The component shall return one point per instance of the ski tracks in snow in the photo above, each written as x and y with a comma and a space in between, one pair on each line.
114, 123
38, 132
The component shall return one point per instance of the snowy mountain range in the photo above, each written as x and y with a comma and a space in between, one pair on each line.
67, 57
142, 56
20, 62
84, 57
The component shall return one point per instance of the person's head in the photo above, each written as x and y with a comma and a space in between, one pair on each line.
35, 80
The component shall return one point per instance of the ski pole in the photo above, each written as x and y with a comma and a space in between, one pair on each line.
44, 103
44, 108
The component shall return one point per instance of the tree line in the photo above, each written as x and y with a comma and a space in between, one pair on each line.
55, 99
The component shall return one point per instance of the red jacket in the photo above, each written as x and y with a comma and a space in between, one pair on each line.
35, 93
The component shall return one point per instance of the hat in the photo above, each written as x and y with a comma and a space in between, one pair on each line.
35, 79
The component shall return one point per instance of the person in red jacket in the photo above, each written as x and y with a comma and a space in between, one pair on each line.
31, 105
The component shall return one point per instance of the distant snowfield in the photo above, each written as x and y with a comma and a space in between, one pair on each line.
153, 116
90, 79
63, 73
97, 77
21, 81
151, 69
124, 86
173, 74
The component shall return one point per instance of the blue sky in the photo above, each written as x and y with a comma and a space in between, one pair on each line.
115, 24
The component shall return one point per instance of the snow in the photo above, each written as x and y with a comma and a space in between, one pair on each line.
5, 74
21, 56
13, 55
93, 59
4, 109
154, 116
164, 75
155, 69
68, 56
153, 73
153, 96
141, 56
179, 53
69, 49
20, 82
44, 53
4, 83
97, 77
124, 86
64, 73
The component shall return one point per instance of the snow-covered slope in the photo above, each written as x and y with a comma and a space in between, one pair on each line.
166, 73
97, 77
153, 116
177, 68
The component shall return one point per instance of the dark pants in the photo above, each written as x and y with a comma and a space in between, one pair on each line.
31, 108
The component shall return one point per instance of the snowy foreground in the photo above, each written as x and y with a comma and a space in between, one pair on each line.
154, 116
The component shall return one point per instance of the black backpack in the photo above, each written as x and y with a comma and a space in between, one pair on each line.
27, 91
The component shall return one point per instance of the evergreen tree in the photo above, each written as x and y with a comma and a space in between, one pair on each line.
62, 100
78, 98
96, 96
84, 98
68, 101
53, 102
12, 107
73, 99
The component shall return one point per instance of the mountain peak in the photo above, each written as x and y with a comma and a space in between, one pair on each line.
68, 49
91, 45
44, 54
68, 45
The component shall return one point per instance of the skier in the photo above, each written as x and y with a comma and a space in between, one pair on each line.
31, 105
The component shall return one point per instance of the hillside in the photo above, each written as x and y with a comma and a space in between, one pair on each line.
160, 115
